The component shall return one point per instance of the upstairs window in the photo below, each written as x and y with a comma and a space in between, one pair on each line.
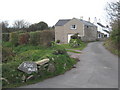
73, 27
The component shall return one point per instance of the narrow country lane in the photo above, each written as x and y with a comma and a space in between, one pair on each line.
98, 68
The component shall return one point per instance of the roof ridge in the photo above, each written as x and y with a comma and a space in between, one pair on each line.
64, 19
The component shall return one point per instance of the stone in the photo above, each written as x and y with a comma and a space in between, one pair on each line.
5, 80
64, 65
74, 66
31, 76
23, 78
51, 67
42, 62
28, 67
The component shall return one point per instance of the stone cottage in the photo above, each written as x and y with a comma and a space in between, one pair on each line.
65, 28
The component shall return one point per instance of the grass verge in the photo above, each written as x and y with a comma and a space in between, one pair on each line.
81, 47
15, 78
109, 44
73, 51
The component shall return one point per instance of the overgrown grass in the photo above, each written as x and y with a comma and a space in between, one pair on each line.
112, 47
62, 63
81, 47
68, 50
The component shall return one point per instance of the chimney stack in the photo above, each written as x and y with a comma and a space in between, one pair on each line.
95, 20
81, 17
89, 19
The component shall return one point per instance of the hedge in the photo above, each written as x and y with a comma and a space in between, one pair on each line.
46, 37
34, 38
14, 38
5, 37
43, 38
23, 38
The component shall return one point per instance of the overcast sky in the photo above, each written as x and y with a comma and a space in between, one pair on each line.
50, 11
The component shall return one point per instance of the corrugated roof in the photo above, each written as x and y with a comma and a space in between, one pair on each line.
62, 22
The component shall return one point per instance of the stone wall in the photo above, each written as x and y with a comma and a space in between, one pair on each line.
90, 33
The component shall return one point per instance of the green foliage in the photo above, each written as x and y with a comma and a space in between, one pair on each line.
59, 51
53, 44
75, 43
14, 38
46, 37
75, 36
5, 37
42, 38
81, 47
7, 54
112, 47
7, 44
113, 43
58, 41
115, 36
23, 38
31, 55
62, 63
38, 26
34, 38
73, 51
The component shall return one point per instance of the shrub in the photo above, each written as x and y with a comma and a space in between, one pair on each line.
5, 37
75, 42
14, 38
58, 41
75, 36
59, 51
7, 54
7, 44
23, 38
52, 43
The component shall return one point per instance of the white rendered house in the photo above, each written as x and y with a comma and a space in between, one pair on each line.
103, 31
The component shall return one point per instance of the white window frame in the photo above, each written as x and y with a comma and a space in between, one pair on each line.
73, 28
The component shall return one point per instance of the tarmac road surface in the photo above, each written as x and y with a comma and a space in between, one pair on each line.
98, 68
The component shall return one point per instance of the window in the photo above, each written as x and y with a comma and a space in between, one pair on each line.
73, 26
99, 36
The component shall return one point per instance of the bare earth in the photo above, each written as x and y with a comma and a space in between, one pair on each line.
98, 68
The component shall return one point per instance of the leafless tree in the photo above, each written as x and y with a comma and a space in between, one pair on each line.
113, 10
19, 24
5, 26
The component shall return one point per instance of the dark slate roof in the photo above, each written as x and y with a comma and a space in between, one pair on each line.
100, 24
62, 22
87, 23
